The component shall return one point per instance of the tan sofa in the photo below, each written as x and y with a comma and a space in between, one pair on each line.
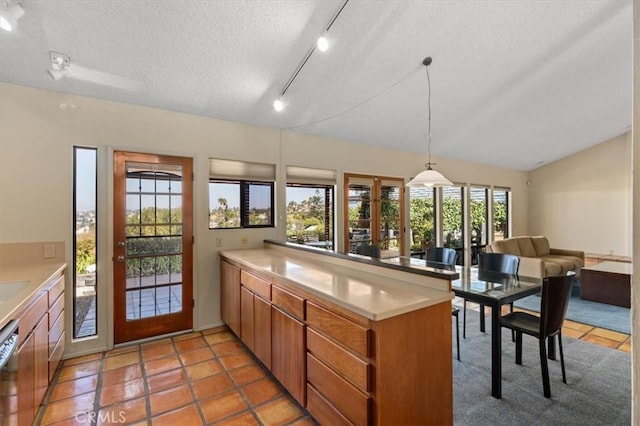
537, 258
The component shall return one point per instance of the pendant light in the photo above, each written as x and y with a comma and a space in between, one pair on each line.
429, 177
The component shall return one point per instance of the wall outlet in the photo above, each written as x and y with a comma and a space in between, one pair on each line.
219, 242
244, 240
49, 251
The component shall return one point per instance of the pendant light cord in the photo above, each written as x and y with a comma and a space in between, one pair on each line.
427, 62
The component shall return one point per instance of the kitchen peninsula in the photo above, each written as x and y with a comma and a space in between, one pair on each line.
355, 341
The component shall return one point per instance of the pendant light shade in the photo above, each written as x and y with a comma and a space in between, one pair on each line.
429, 177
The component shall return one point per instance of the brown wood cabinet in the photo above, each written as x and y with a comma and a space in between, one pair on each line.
343, 367
41, 333
230, 296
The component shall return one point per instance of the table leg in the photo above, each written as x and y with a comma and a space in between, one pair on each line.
496, 352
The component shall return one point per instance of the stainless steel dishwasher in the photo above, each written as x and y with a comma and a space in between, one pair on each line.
8, 372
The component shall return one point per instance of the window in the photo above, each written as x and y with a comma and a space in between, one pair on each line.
240, 194
422, 218
452, 220
479, 217
310, 206
84, 242
501, 197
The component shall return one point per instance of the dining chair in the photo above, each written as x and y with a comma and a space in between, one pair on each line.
556, 291
446, 256
368, 250
493, 262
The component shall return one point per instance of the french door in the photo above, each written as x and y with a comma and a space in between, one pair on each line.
153, 238
374, 212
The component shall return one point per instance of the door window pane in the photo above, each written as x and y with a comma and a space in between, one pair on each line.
479, 214
452, 220
501, 214
422, 218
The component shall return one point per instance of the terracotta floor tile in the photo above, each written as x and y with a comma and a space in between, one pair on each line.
261, 391
228, 348
191, 344
161, 342
169, 399
570, 332
157, 351
279, 412
246, 374
79, 370
236, 360
121, 360
211, 385
74, 387
68, 408
196, 356
244, 419
577, 326
122, 350
132, 410
203, 369
166, 380
601, 341
224, 336
122, 374
626, 346
121, 392
187, 336
608, 334
305, 421
81, 359
214, 330
160, 365
188, 415
222, 406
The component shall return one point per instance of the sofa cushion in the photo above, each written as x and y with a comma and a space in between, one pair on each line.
541, 245
551, 269
526, 246
565, 264
577, 262
509, 246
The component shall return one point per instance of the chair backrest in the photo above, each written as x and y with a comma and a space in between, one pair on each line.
499, 262
442, 255
368, 250
556, 291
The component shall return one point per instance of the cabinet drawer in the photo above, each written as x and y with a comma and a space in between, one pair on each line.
55, 332
255, 284
56, 290
32, 316
345, 363
352, 403
290, 303
56, 356
344, 331
322, 410
56, 310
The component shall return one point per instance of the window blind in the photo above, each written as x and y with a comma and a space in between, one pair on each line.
310, 176
241, 170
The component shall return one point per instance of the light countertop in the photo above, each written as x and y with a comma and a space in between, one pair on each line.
371, 295
22, 283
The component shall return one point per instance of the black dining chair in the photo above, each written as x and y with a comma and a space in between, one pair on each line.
446, 256
493, 262
556, 291
368, 250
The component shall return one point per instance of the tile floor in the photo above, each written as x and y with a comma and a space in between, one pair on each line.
197, 378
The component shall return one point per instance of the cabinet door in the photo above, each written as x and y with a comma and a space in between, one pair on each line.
262, 330
41, 361
26, 383
246, 318
230, 296
288, 353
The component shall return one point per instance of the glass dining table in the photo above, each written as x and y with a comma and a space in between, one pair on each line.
494, 289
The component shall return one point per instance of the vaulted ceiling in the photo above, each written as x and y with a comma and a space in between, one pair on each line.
514, 83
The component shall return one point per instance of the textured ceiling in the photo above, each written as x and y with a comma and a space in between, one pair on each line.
514, 83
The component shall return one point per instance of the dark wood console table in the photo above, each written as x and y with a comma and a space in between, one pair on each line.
607, 282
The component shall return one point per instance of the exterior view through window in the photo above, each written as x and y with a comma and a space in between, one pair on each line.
84, 242
501, 213
240, 204
310, 215
479, 213
452, 225
422, 218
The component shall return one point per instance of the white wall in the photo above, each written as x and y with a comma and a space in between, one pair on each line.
36, 140
635, 279
584, 201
